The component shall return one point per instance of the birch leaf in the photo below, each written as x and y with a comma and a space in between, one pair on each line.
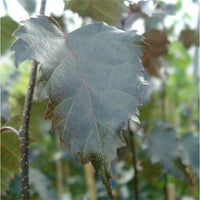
8, 26
92, 78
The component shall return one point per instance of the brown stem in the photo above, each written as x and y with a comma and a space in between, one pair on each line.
134, 160
24, 132
9, 128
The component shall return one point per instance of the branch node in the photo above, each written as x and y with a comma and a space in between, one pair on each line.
9, 128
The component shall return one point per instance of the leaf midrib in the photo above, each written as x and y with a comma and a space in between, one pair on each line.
88, 93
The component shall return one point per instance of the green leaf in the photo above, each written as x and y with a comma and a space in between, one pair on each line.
150, 170
8, 26
92, 78
163, 146
108, 11
10, 144
38, 126
10, 154
59, 20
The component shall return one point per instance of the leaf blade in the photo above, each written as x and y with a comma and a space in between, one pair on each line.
10, 154
85, 107
164, 147
8, 26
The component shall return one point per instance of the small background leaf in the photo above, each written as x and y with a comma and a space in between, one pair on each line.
190, 151
9, 26
189, 37
29, 5
10, 154
158, 46
163, 146
108, 11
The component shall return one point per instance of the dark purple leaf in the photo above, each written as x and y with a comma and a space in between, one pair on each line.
92, 78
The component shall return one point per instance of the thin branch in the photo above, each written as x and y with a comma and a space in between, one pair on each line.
24, 132
42, 7
134, 160
9, 128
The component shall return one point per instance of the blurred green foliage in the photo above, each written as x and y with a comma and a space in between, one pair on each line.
9, 25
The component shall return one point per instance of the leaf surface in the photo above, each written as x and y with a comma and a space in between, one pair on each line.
163, 146
190, 151
108, 11
92, 78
